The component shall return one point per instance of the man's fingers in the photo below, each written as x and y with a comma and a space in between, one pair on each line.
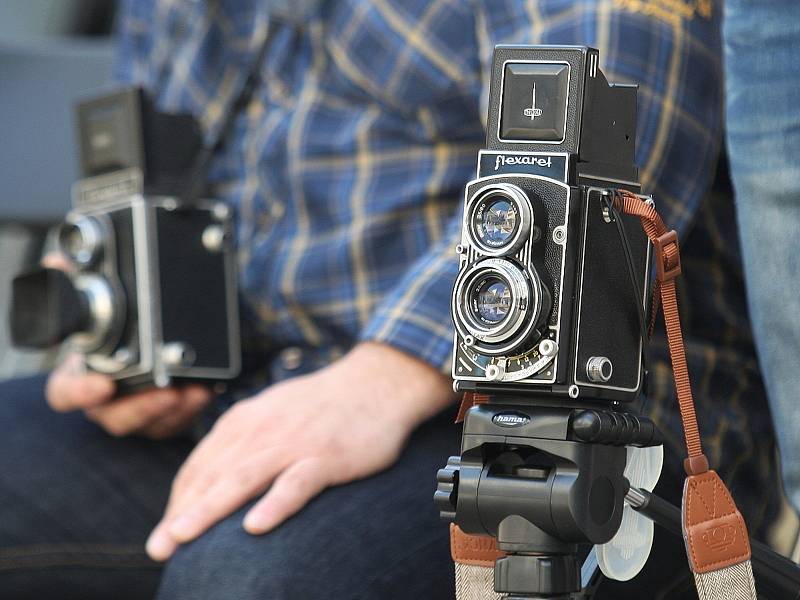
70, 387
160, 545
56, 260
194, 399
290, 492
131, 413
217, 503
196, 472
202, 506
194, 511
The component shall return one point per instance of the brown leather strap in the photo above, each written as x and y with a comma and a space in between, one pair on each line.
668, 267
714, 529
478, 550
469, 400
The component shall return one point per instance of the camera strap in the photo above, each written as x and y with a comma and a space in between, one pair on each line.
199, 172
714, 531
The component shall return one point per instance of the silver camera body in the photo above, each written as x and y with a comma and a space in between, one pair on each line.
150, 293
160, 280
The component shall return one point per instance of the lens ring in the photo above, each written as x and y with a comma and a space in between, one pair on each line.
497, 304
104, 313
80, 238
499, 219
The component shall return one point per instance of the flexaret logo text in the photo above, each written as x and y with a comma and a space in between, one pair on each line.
539, 161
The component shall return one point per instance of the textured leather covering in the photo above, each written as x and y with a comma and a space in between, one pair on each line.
476, 550
714, 529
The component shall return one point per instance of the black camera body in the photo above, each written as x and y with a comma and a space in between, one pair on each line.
545, 304
150, 295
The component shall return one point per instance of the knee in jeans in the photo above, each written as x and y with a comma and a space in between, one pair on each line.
227, 562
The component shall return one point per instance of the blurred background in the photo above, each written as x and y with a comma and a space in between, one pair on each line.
52, 52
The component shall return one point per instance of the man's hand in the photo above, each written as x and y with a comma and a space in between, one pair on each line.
345, 422
157, 414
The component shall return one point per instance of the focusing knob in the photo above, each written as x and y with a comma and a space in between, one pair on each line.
446, 495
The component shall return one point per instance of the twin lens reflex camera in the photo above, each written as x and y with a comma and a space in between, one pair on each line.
544, 303
150, 295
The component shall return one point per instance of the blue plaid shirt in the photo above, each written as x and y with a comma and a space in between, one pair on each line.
347, 169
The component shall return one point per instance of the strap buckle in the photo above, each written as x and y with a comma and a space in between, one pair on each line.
667, 267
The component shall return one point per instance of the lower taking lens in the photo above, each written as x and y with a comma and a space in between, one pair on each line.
493, 301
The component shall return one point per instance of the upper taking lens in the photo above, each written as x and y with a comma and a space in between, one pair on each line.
493, 301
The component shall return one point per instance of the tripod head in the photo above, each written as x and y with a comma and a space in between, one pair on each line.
541, 480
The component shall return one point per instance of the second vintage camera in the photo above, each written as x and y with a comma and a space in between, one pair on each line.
550, 293
150, 292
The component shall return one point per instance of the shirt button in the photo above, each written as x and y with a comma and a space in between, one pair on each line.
291, 358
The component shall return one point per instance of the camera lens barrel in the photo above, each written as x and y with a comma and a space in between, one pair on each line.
80, 238
498, 304
102, 313
499, 219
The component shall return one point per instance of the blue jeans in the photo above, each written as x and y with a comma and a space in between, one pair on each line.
762, 60
76, 506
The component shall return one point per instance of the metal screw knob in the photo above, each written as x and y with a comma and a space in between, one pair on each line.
599, 369
177, 354
214, 238
495, 372
548, 348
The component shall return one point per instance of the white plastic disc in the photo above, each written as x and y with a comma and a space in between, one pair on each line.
644, 465
626, 554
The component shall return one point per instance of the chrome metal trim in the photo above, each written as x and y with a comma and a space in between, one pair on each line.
518, 198
595, 369
525, 305
103, 311
635, 498
92, 192
92, 235
481, 153
98, 359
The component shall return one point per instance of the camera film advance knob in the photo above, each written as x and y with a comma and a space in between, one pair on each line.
446, 495
599, 369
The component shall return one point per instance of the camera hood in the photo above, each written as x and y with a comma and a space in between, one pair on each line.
46, 308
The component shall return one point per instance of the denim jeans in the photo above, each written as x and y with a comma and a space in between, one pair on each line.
762, 60
76, 506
